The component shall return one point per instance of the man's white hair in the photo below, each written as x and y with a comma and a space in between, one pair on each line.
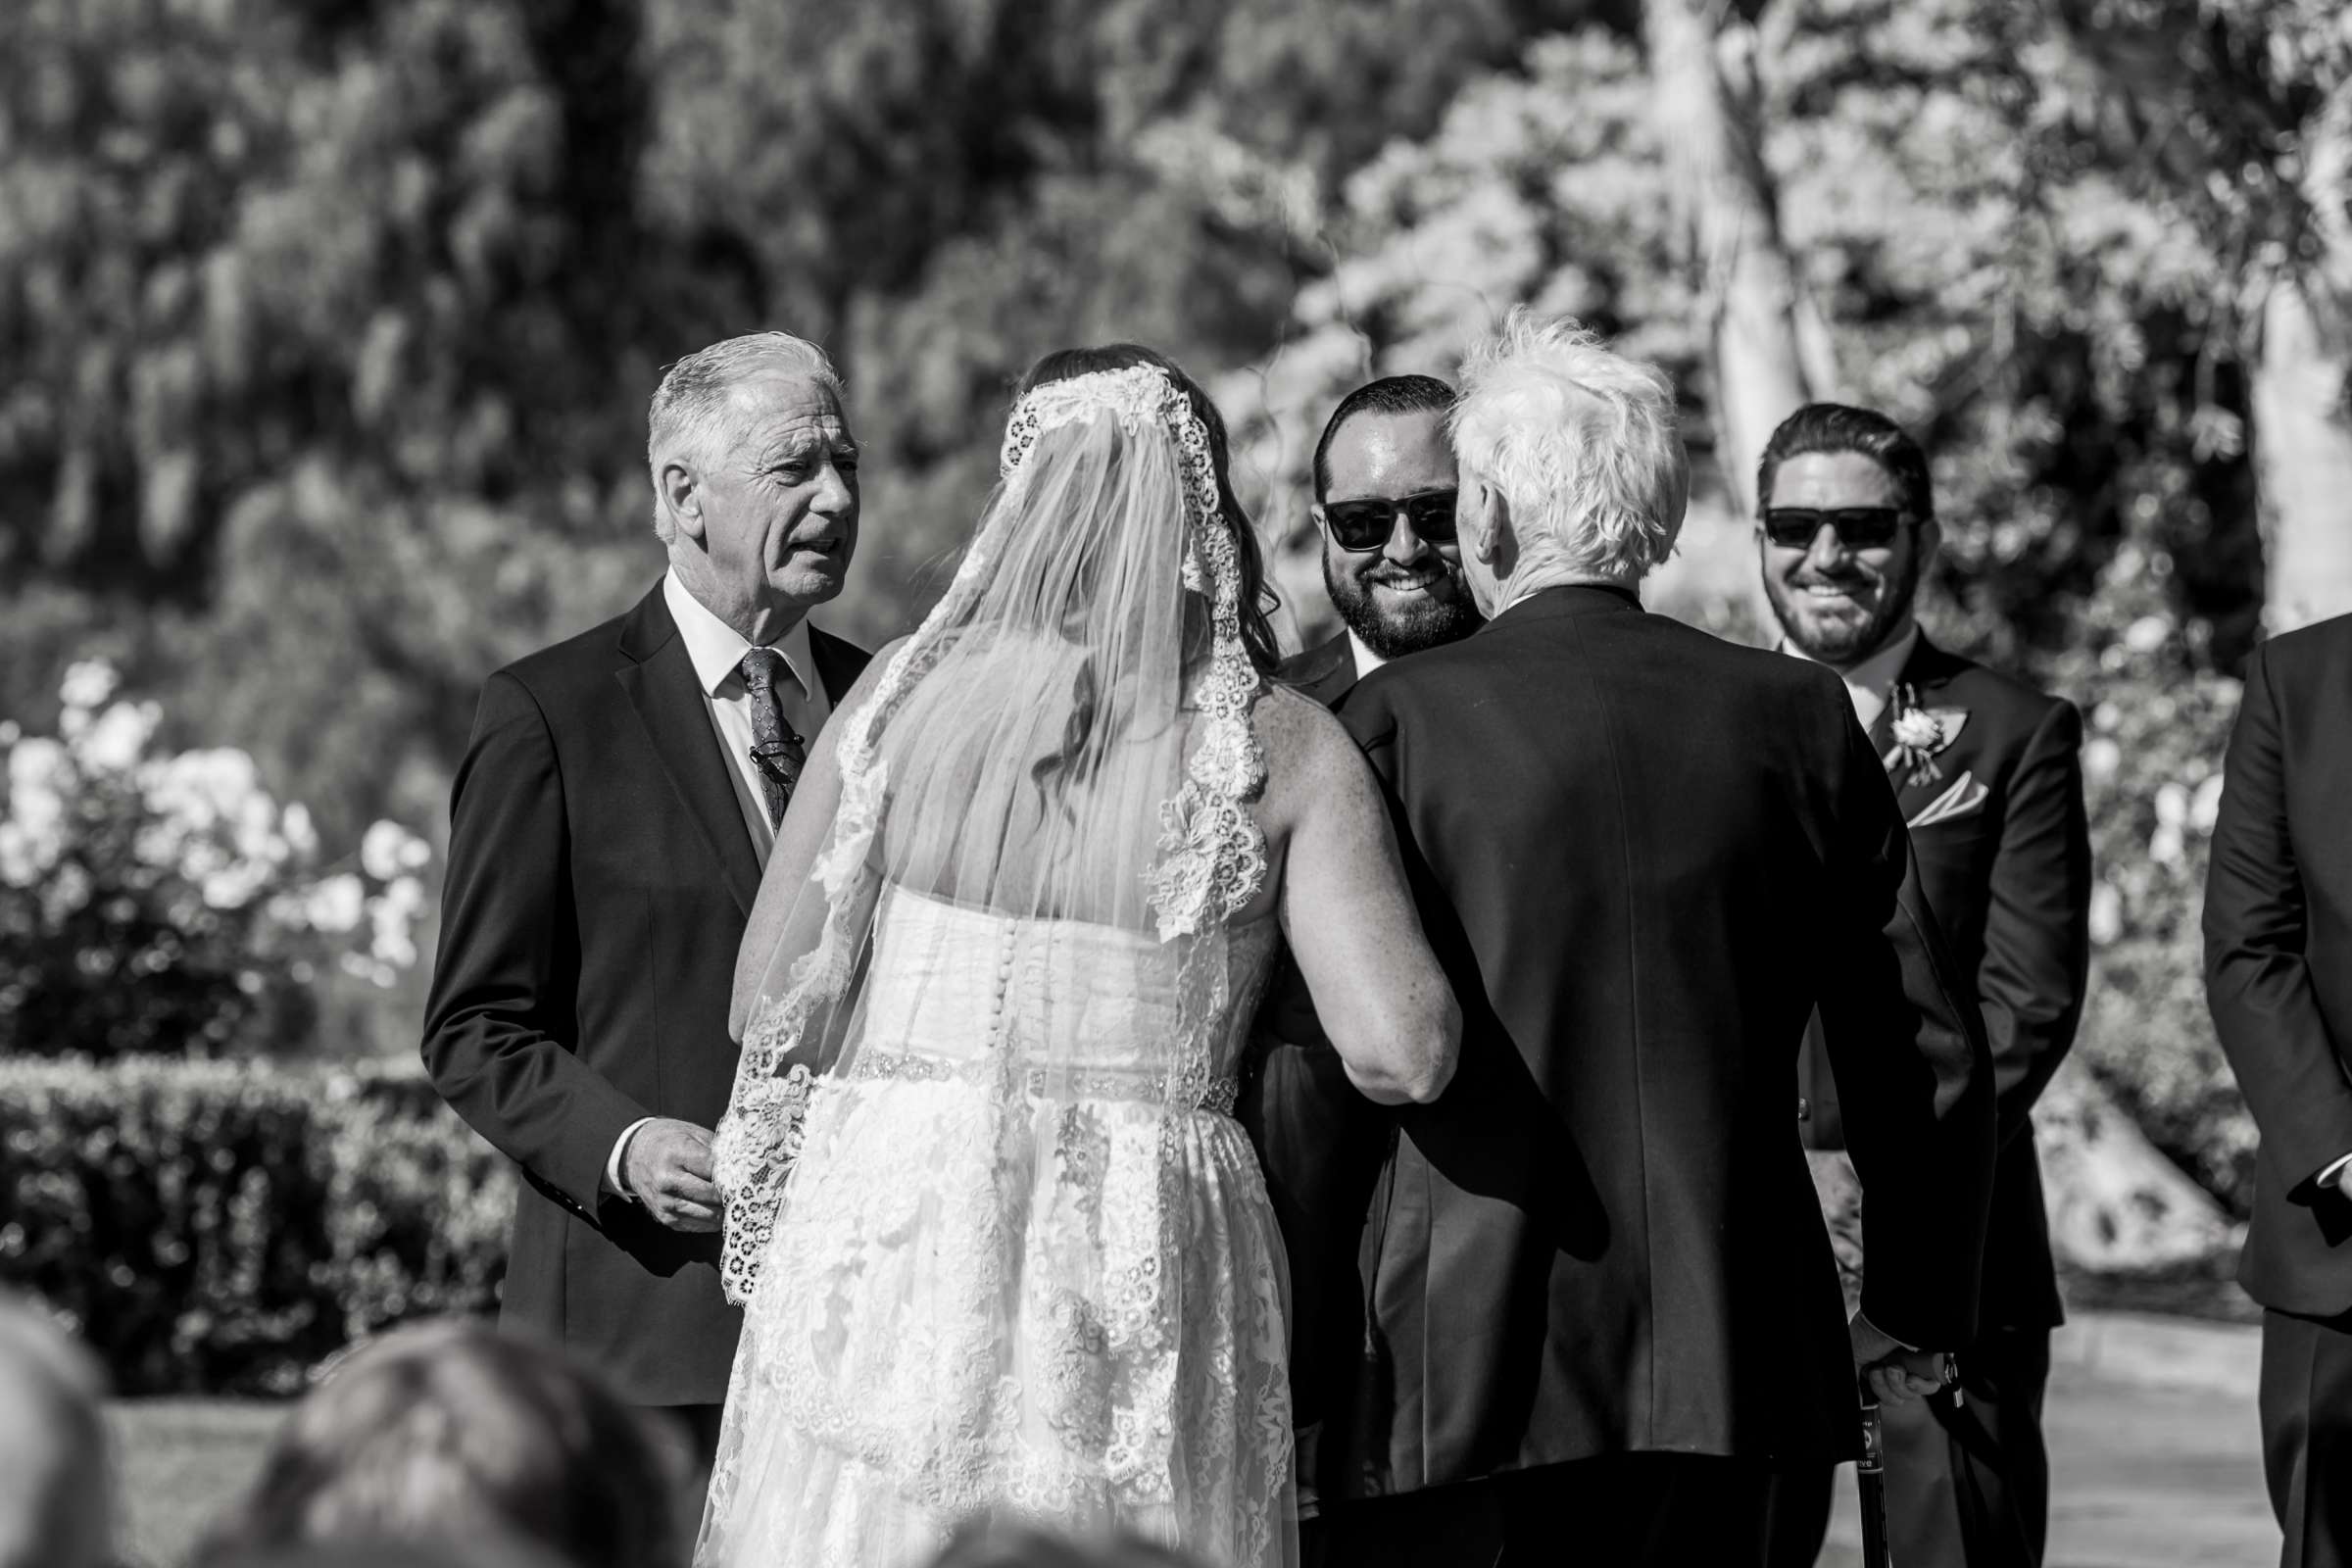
693, 411
1582, 444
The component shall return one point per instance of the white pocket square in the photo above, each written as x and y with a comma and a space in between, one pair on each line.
1963, 797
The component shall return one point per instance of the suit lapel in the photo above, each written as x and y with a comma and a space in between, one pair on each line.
659, 678
1927, 672
1881, 730
838, 664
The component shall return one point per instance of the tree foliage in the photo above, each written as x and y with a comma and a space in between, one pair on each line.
326, 328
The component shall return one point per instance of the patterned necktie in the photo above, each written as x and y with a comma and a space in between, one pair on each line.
777, 751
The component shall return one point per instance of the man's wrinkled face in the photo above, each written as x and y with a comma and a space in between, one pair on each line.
780, 510
1837, 600
1409, 594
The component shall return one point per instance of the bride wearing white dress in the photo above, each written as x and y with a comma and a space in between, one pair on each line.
1000, 1242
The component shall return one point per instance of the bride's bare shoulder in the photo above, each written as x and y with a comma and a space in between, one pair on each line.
1308, 751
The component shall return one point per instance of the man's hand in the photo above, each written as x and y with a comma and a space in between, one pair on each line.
1895, 1375
668, 1170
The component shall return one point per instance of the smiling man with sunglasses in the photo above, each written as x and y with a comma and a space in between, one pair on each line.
1984, 771
1385, 491
1385, 487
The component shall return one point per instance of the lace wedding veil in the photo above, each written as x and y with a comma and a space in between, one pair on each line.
1064, 748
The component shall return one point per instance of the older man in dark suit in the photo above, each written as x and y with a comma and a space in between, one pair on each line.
2279, 977
607, 828
1987, 772
1602, 1306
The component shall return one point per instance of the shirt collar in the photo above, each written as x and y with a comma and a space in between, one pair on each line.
717, 649
1871, 681
1366, 660
1878, 673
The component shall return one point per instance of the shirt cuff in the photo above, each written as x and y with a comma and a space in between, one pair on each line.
620, 1147
2327, 1178
1900, 1345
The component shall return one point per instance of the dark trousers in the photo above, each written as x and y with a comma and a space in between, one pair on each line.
2307, 1436
1671, 1509
697, 1427
1968, 1480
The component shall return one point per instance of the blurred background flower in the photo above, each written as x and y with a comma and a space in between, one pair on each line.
168, 902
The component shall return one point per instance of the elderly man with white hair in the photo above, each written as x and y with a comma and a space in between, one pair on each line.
1600, 1304
607, 829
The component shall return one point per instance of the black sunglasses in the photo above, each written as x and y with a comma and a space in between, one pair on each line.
1861, 527
1366, 525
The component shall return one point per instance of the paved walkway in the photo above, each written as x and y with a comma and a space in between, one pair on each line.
2155, 1460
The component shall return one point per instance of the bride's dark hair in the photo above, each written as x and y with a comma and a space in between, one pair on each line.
1257, 596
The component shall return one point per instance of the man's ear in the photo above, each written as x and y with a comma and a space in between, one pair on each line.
681, 493
1927, 540
1492, 520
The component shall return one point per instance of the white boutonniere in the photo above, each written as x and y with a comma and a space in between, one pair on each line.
1920, 734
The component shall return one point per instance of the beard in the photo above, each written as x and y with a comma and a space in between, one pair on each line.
1843, 635
1443, 614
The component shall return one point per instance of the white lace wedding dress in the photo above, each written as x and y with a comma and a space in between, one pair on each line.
891, 1377
1010, 1251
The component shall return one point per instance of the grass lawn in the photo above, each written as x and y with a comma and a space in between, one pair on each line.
178, 1463
2141, 1476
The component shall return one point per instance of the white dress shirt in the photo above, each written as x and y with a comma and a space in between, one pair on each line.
1366, 660
717, 652
1870, 683
716, 649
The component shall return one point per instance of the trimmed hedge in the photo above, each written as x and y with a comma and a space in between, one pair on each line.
223, 1227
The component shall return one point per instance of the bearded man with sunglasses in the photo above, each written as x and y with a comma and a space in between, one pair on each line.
1987, 772
1384, 488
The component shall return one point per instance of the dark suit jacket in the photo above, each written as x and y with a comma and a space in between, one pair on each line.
599, 881
1644, 855
1324, 673
2008, 878
1295, 1097
2278, 957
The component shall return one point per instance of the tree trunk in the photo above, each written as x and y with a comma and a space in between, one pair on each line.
2115, 1202
2302, 400
1709, 118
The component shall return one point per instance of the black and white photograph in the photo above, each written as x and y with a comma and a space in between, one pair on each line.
1249, 784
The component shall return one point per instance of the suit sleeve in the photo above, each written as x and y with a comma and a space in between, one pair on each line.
2036, 959
2257, 979
499, 1040
1914, 1076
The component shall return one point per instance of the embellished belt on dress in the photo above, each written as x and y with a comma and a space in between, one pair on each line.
1192, 1090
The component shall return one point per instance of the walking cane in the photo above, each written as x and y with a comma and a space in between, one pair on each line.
1871, 1474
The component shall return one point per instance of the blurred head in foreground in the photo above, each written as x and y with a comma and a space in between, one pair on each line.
986, 1543
1572, 461
453, 1431
54, 1501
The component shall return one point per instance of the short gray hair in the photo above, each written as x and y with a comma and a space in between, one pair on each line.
692, 409
1581, 442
